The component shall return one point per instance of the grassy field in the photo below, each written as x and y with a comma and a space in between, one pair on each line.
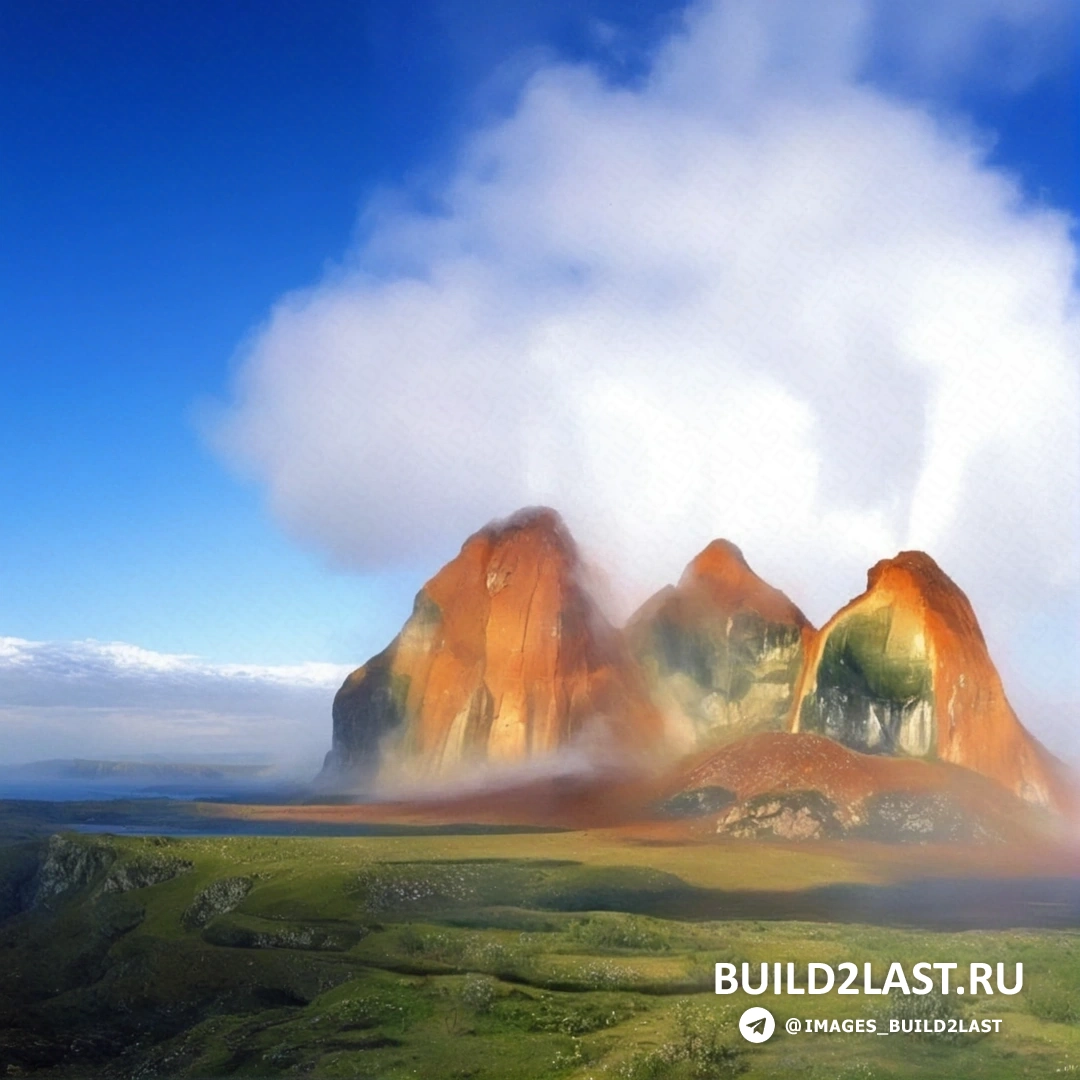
504, 956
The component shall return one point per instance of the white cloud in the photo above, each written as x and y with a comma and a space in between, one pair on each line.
755, 297
100, 700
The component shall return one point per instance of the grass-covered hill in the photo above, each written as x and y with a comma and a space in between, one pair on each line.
552, 955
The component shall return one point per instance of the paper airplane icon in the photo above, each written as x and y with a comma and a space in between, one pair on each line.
758, 1026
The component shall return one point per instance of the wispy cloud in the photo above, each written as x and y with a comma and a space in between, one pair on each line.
756, 296
97, 699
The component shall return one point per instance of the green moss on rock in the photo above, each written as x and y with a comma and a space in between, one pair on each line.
874, 689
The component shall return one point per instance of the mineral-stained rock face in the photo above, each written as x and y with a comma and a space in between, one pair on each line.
721, 651
789, 815
505, 658
903, 669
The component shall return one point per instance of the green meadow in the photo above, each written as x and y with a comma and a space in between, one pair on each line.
556, 955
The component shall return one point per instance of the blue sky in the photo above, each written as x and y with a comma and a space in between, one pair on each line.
171, 174
168, 172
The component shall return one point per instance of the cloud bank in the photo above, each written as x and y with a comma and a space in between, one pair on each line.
754, 296
91, 699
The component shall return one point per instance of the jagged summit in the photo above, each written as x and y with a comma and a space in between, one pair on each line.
916, 577
904, 669
505, 658
722, 572
721, 651
541, 520
719, 558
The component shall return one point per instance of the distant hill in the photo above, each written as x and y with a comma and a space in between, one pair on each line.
79, 778
85, 769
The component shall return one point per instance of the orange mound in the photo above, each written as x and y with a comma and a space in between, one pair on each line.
904, 668
774, 762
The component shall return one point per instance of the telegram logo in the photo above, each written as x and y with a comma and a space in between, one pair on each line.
757, 1025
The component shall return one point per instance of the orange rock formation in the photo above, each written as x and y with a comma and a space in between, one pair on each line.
505, 658
904, 669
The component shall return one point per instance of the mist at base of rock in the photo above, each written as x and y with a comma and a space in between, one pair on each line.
507, 664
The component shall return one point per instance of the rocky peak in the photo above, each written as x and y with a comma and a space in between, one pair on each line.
531, 537
535, 524
904, 669
914, 579
721, 651
505, 658
722, 573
